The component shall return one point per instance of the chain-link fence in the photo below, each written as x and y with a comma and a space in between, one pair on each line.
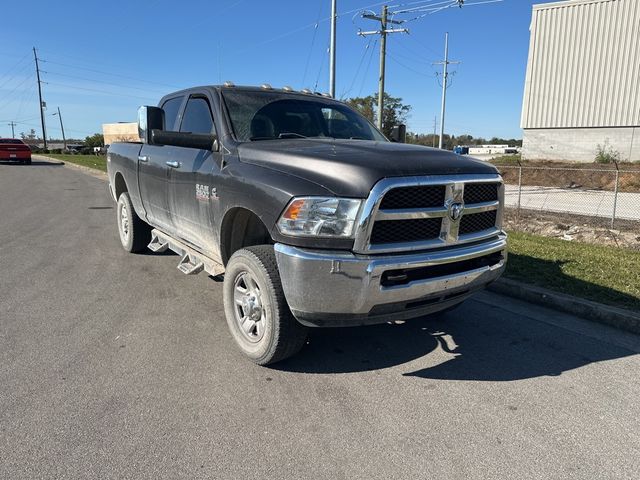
605, 197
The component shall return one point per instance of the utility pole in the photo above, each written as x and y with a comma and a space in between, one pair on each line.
435, 123
383, 32
383, 57
13, 133
445, 74
64, 139
332, 55
44, 130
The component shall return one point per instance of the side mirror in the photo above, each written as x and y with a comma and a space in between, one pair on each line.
149, 119
202, 141
399, 133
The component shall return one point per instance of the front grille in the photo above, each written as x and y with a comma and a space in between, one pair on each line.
411, 214
477, 222
425, 196
394, 231
480, 192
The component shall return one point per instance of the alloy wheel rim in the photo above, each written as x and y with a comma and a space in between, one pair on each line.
124, 223
250, 315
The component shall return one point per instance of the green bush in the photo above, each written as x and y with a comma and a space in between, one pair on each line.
606, 154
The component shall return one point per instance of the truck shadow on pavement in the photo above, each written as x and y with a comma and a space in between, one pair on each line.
474, 342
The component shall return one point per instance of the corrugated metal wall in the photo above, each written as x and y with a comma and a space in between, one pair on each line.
584, 65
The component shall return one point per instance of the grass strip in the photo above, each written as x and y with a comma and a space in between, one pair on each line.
91, 161
600, 273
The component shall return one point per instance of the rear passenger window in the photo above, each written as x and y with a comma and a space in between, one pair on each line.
197, 116
171, 108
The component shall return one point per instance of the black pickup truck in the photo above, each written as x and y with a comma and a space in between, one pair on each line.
312, 215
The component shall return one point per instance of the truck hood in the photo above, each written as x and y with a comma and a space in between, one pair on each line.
350, 168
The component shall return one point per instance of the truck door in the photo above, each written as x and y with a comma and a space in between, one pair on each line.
193, 186
153, 172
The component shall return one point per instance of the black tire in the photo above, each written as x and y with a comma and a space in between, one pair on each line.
281, 334
138, 234
27, 162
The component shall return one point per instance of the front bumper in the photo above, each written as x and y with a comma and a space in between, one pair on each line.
337, 288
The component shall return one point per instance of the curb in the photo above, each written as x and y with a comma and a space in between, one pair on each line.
616, 317
91, 171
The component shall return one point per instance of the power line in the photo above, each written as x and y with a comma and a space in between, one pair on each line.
109, 73
313, 41
27, 95
364, 77
315, 87
8, 72
355, 77
100, 91
406, 66
9, 97
99, 81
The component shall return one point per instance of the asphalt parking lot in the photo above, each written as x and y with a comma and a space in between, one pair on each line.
119, 366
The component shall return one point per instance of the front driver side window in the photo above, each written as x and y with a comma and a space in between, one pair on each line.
197, 117
171, 108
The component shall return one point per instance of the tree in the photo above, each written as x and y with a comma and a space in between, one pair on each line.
29, 138
95, 140
394, 112
450, 141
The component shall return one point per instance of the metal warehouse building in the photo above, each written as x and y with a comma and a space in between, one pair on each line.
582, 86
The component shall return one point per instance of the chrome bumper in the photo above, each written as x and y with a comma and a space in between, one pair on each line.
337, 288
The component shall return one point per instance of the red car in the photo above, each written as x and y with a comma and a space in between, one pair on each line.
15, 150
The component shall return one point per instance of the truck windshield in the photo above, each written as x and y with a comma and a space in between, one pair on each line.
257, 115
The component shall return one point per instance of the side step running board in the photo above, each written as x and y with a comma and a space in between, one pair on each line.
190, 265
157, 245
191, 261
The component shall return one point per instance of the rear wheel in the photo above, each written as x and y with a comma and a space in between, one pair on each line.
135, 234
257, 313
27, 161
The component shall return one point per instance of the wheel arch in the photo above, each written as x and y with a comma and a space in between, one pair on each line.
240, 228
119, 185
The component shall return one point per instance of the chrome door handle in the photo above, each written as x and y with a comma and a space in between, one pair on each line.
143, 158
173, 164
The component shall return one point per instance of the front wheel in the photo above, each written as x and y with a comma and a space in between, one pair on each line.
135, 234
257, 313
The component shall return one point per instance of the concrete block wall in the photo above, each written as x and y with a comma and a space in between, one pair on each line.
580, 144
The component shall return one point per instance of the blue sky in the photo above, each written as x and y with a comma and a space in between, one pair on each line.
104, 59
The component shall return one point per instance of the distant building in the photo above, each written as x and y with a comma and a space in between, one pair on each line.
485, 149
120, 132
582, 86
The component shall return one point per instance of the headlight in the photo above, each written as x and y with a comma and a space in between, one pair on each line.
320, 217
